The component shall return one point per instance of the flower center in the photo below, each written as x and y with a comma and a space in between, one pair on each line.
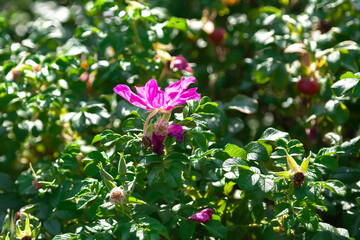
299, 179
161, 128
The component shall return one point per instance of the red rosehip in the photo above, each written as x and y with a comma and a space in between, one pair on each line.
308, 86
217, 36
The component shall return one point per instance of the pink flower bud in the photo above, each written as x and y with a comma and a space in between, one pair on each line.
203, 216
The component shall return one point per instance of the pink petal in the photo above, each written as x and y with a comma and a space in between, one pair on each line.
141, 91
125, 92
189, 69
158, 144
176, 130
183, 98
185, 82
153, 95
175, 94
191, 94
202, 216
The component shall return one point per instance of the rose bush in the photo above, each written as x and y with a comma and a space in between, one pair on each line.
250, 151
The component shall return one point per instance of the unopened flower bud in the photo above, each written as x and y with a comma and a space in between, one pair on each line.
117, 195
161, 128
180, 63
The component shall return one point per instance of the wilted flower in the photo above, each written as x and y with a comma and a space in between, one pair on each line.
203, 216
117, 195
180, 63
161, 131
151, 97
36, 184
297, 174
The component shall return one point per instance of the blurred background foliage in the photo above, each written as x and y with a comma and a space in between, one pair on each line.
59, 61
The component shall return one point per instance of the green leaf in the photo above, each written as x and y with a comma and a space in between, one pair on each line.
247, 179
7, 184
289, 222
242, 104
335, 186
356, 92
280, 78
347, 174
330, 232
153, 224
234, 162
351, 147
235, 151
345, 86
107, 137
256, 152
178, 23
266, 185
132, 124
337, 111
172, 176
187, 229
153, 173
96, 139
177, 157
52, 226
272, 134
228, 188
209, 108
309, 220
333, 60
264, 37
67, 236
330, 151
193, 105
270, 9
349, 62
282, 209
216, 229
78, 121
133, 200
200, 140
328, 162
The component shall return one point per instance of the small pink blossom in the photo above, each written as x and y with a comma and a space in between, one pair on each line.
180, 63
151, 97
203, 216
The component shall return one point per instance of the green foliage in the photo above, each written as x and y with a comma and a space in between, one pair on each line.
271, 161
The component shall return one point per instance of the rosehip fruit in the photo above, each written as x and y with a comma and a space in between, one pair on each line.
308, 86
218, 35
